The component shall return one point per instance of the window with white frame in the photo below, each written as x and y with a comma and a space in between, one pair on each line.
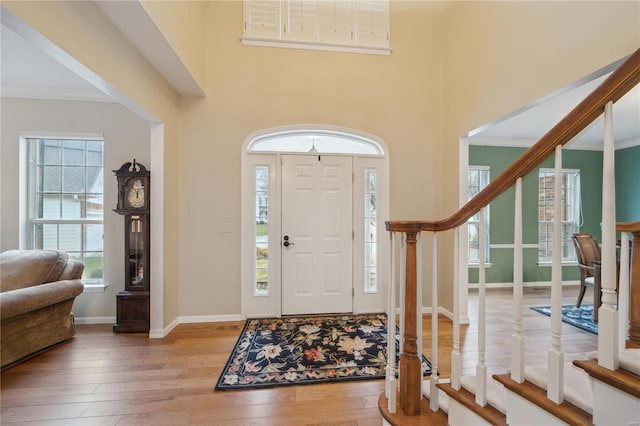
569, 211
65, 200
318, 23
478, 178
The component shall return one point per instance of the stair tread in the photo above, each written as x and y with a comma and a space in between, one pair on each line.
576, 387
565, 411
466, 398
496, 393
623, 380
628, 359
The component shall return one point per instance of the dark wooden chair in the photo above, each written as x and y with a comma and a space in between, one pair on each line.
587, 251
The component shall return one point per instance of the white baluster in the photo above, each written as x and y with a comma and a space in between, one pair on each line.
607, 314
391, 382
419, 296
623, 291
456, 363
517, 339
481, 367
555, 361
403, 285
434, 403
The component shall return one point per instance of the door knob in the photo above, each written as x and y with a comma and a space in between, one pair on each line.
287, 243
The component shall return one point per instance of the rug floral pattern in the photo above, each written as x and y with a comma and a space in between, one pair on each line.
302, 350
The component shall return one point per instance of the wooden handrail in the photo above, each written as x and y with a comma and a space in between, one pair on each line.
621, 81
628, 226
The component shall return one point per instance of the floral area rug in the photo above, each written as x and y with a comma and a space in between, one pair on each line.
581, 317
305, 350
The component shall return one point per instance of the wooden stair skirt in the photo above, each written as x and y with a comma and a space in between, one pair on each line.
565, 412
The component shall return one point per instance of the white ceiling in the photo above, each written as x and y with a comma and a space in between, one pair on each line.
27, 72
531, 122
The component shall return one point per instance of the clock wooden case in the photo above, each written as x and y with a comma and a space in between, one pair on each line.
133, 303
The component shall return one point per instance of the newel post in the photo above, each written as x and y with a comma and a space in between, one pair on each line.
410, 364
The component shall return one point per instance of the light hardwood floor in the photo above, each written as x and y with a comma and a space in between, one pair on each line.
104, 379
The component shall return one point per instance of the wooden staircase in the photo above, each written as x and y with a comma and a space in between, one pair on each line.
604, 390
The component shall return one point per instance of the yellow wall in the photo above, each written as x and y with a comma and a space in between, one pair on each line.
183, 25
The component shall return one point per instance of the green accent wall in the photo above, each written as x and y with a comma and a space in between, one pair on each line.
628, 184
501, 211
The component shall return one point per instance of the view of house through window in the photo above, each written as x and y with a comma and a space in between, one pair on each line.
66, 200
478, 178
569, 210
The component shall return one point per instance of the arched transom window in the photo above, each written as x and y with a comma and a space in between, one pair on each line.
320, 141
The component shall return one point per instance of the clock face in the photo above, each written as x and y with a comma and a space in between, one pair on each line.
135, 194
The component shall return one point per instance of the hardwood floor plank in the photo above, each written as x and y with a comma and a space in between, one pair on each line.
101, 378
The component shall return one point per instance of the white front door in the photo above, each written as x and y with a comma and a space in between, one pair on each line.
316, 234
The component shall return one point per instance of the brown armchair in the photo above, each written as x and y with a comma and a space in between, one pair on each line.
587, 251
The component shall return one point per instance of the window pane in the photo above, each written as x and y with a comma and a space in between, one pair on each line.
93, 265
94, 180
48, 206
70, 237
73, 152
52, 152
94, 207
47, 237
72, 206
93, 235
94, 153
73, 179
370, 205
51, 179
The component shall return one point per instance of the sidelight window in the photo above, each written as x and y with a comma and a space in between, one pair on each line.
370, 231
261, 179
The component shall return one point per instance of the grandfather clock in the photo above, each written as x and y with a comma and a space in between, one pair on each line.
132, 303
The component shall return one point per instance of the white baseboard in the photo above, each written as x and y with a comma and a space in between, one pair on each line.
94, 320
526, 284
210, 318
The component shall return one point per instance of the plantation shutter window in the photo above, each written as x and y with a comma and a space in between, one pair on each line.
262, 19
300, 23
360, 26
373, 23
335, 21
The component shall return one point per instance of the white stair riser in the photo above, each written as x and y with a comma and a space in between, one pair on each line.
614, 407
459, 415
522, 412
